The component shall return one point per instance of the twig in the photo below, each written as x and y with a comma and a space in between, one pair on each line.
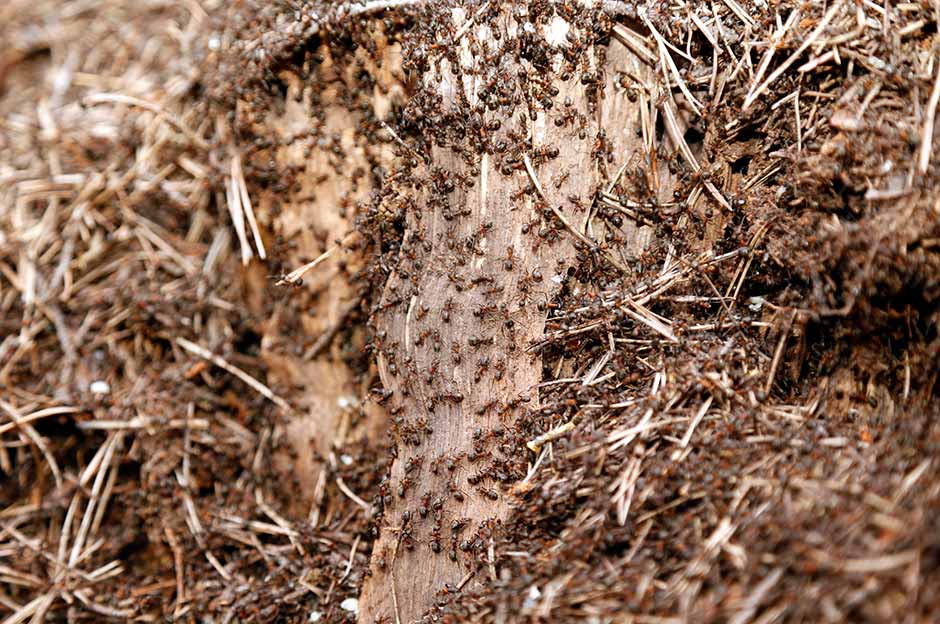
774, 43
778, 353
491, 559
36, 439
245, 201
741, 13
553, 434
753, 601
106, 454
927, 134
256, 385
327, 336
392, 577
635, 42
625, 488
740, 273
37, 415
398, 139
352, 557
670, 65
178, 565
810, 40
233, 201
120, 98
352, 495
695, 422
294, 276
638, 313
468, 24
675, 134
561, 217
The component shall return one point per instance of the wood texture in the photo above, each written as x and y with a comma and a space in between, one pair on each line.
320, 146
481, 258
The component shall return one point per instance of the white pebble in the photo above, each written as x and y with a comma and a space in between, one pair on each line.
350, 604
531, 598
99, 387
314, 616
557, 31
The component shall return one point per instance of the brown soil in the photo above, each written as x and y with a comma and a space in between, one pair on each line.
701, 387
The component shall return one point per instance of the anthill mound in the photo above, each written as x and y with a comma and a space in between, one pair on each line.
737, 423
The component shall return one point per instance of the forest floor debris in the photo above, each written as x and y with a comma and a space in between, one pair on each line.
746, 432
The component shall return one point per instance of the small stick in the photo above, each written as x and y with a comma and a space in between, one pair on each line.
352, 495
813, 36
327, 336
668, 63
799, 129
233, 201
625, 488
687, 438
778, 354
535, 445
672, 128
925, 146
246, 203
741, 272
94, 497
218, 566
120, 98
178, 564
635, 42
31, 433
279, 520
397, 138
775, 41
39, 604
561, 217
741, 13
641, 314
43, 413
705, 30
491, 555
907, 376
392, 575
294, 276
352, 556
256, 385
644, 531
469, 23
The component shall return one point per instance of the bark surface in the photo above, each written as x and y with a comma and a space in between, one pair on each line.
483, 256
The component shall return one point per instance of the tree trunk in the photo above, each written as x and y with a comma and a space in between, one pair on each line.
491, 221
311, 125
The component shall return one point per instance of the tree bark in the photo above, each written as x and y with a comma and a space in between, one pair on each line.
484, 253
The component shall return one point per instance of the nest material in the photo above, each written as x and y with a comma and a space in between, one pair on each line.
758, 442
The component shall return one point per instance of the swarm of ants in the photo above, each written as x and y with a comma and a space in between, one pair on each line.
642, 299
